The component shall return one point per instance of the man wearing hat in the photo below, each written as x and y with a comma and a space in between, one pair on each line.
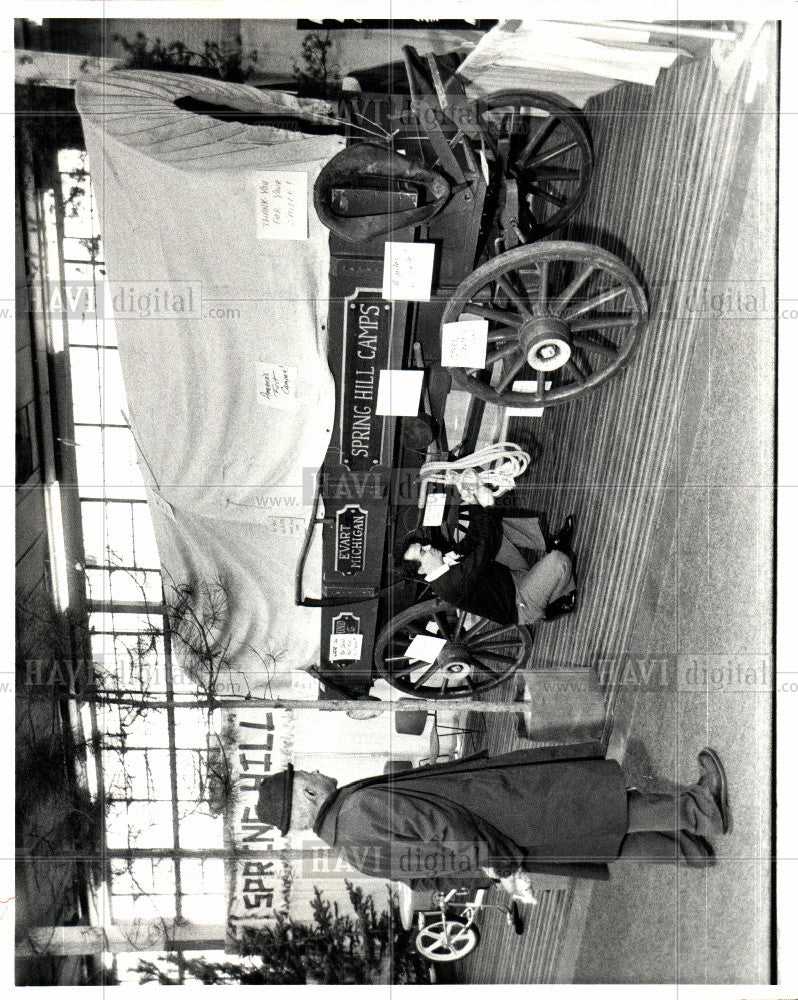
467, 822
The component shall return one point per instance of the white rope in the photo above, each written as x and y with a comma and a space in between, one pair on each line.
479, 478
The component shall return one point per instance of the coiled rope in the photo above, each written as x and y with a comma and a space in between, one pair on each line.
480, 477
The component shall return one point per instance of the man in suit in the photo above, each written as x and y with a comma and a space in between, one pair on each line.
471, 821
475, 576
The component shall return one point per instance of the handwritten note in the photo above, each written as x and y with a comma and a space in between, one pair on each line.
434, 509
464, 344
425, 647
346, 646
281, 206
276, 385
399, 393
407, 271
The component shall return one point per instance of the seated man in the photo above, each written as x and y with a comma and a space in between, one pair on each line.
470, 822
474, 575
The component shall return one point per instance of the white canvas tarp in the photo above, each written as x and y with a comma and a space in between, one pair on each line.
222, 341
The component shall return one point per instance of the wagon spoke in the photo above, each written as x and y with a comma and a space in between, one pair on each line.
514, 368
550, 154
443, 625
606, 321
557, 173
496, 315
501, 657
432, 669
606, 349
595, 302
500, 352
572, 367
543, 288
512, 294
502, 336
571, 289
536, 141
477, 662
459, 627
555, 199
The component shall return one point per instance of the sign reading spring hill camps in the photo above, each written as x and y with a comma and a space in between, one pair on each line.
367, 329
351, 523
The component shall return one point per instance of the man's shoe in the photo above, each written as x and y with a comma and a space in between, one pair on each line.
564, 537
701, 854
714, 780
562, 606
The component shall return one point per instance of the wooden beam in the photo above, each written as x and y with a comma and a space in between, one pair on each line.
125, 935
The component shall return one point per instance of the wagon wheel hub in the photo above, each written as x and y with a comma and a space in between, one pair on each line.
547, 342
454, 660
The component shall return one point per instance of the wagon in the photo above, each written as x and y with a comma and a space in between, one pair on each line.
485, 183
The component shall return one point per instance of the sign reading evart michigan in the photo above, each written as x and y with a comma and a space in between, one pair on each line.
351, 523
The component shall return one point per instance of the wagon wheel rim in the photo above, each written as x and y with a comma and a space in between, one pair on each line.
565, 316
477, 654
446, 940
546, 149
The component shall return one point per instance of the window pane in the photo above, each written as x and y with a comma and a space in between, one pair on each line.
154, 907
121, 469
143, 537
84, 365
204, 909
113, 389
206, 876
191, 767
199, 830
136, 585
148, 730
119, 533
83, 246
93, 518
143, 875
89, 456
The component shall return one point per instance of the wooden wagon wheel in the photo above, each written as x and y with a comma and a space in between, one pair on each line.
447, 940
567, 316
543, 145
473, 654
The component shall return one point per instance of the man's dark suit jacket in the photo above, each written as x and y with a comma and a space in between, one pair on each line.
477, 583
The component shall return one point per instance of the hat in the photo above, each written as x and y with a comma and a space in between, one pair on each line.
274, 799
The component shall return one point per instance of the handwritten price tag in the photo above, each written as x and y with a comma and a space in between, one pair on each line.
433, 509
407, 271
276, 385
526, 411
464, 344
399, 393
281, 205
346, 646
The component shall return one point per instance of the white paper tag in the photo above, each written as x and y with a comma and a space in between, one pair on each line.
281, 206
526, 411
425, 647
276, 385
399, 393
346, 646
464, 344
483, 162
162, 505
407, 271
434, 510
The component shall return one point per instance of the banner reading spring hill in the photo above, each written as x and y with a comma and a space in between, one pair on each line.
257, 876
